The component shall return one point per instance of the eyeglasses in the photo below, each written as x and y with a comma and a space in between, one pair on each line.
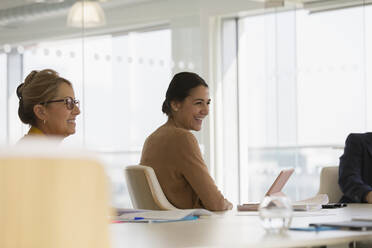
69, 101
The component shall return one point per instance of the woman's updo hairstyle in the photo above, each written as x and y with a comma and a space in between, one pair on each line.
38, 87
179, 88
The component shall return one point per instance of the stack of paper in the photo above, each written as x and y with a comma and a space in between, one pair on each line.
313, 203
137, 215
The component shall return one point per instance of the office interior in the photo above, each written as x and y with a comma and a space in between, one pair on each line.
288, 79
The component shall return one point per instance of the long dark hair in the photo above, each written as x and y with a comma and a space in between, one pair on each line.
180, 87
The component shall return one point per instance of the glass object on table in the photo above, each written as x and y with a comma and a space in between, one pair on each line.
276, 214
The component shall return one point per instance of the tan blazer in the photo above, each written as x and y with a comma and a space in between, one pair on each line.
175, 156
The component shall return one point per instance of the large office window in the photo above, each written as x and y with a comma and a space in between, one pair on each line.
302, 85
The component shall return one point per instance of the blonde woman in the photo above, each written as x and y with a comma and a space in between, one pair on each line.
47, 103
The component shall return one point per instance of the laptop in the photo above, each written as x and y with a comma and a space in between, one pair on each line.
274, 190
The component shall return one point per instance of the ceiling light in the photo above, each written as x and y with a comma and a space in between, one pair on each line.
271, 3
86, 14
7, 48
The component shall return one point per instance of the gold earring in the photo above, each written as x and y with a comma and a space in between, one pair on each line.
44, 121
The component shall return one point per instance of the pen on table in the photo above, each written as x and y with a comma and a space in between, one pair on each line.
117, 221
316, 227
142, 220
340, 205
334, 205
134, 220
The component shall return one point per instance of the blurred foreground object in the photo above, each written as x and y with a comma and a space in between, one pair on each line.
276, 214
52, 197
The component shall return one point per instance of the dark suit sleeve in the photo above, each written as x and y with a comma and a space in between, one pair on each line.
350, 171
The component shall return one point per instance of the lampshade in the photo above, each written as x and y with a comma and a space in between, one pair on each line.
86, 14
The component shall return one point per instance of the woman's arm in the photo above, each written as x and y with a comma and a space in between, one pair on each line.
196, 173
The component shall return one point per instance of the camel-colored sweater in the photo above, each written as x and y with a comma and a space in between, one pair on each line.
175, 156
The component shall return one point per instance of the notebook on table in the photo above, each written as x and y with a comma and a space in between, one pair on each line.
357, 225
159, 216
274, 190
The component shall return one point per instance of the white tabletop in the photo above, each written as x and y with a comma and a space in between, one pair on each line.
239, 229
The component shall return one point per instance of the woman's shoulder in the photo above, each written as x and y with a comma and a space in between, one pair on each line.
357, 141
359, 137
171, 133
179, 133
33, 132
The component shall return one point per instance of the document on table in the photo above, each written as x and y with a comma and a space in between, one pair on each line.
321, 212
361, 218
349, 225
313, 203
310, 204
172, 215
120, 211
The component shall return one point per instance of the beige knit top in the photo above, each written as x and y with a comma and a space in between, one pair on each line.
175, 156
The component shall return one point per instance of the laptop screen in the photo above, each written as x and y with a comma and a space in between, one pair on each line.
280, 181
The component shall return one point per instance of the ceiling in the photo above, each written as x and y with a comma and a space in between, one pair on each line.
16, 12
24, 21
9, 4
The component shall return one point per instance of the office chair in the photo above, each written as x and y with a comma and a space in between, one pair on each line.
49, 200
329, 183
145, 190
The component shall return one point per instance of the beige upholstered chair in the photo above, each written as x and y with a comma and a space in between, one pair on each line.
329, 183
48, 199
144, 189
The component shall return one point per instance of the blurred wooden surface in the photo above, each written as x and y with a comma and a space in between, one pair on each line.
52, 203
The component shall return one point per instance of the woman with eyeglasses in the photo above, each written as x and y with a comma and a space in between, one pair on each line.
47, 103
173, 151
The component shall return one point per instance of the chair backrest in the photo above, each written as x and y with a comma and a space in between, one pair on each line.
144, 189
329, 183
53, 202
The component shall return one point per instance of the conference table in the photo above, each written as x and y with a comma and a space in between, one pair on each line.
243, 229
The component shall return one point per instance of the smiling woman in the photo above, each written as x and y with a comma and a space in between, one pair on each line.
173, 151
47, 103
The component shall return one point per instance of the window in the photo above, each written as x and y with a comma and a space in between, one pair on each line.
302, 86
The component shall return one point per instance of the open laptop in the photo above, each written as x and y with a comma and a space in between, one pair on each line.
274, 190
